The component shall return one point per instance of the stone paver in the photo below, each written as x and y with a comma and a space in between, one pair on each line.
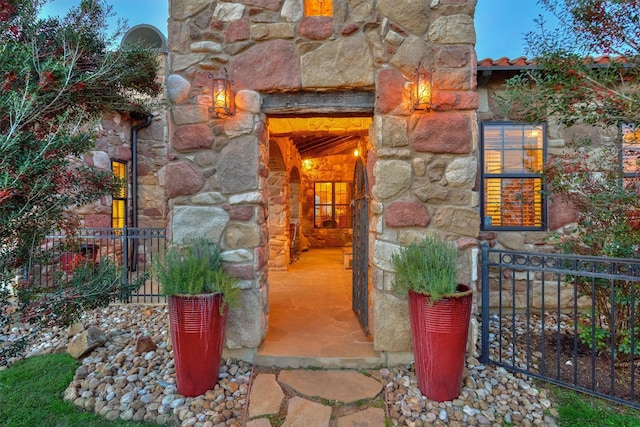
266, 396
345, 386
303, 412
260, 422
371, 417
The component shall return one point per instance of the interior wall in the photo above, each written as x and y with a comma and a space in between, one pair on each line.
278, 186
295, 209
324, 169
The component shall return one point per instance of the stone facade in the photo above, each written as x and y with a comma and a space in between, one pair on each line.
114, 142
220, 181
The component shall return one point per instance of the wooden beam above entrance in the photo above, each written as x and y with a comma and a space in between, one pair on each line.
333, 103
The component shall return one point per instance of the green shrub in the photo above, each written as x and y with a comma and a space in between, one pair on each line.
196, 268
426, 267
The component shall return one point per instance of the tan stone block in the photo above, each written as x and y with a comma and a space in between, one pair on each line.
181, 62
246, 326
341, 63
393, 132
391, 324
228, 12
413, 50
392, 177
189, 114
462, 221
412, 15
453, 29
181, 9
511, 240
190, 222
238, 236
461, 172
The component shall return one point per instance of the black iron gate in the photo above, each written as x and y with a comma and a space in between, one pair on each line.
360, 264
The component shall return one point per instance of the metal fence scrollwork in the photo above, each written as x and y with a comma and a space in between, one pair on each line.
567, 319
131, 247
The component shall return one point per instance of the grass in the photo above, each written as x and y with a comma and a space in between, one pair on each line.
577, 409
31, 394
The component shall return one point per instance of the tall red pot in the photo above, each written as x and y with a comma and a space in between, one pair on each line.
440, 332
197, 336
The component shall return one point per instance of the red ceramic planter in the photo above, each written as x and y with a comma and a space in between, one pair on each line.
440, 333
197, 336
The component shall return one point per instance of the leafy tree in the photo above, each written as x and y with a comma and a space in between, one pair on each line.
566, 83
570, 87
57, 77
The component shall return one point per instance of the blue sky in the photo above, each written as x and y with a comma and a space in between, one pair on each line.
500, 24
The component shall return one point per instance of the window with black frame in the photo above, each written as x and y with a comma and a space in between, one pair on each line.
119, 199
511, 188
332, 206
630, 155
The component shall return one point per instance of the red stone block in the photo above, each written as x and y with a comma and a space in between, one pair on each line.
389, 90
192, 137
240, 271
201, 79
406, 214
442, 133
240, 213
316, 27
279, 69
97, 221
181, 179
561, 212
447, 101
349, 29
123, 153
237, 30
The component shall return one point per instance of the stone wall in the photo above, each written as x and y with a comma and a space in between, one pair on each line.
284, 200
114, 142
422, 165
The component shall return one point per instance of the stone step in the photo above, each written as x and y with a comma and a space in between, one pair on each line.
295, 362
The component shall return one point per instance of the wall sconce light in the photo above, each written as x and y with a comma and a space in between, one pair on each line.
356, 152
223, 97
421, 91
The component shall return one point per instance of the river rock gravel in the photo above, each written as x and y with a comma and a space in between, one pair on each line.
120, 383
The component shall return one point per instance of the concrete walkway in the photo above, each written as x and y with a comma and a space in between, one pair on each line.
310, 398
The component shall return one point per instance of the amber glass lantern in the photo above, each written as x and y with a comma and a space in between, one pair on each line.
421, 91
223, 98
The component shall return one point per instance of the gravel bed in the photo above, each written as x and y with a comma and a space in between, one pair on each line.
118, 382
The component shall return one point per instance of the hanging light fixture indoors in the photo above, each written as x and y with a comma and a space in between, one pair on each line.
223, 97
421, 91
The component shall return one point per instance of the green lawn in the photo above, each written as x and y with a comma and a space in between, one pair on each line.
31, 394
580, 410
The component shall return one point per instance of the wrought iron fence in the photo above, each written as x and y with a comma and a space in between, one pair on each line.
566, 319
132, 248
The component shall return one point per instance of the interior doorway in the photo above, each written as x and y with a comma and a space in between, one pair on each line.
310, 183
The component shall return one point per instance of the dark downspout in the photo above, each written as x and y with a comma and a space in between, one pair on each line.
134, 185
